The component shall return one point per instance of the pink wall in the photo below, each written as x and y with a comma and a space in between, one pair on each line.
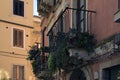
43, 25
104, 25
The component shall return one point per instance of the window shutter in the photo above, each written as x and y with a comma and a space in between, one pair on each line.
14, 37
18, 38
18, 72
22, 72
21, 38
14, 72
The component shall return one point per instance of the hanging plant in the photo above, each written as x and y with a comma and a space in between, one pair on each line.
52, 62
58, 59
32, 52
35, 58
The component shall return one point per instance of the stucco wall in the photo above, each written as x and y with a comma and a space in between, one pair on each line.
103, 20
10, 55
6, 7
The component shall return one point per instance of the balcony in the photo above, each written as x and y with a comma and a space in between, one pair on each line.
117, 17
76, 41
80, 45
71, 39
46, 6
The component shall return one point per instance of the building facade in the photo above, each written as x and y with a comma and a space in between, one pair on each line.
17, 32
98, 18
106, 29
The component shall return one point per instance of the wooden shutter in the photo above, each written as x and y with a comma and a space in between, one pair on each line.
18, 72
18, 38
21, 38
14, 72
21, 72
14, 37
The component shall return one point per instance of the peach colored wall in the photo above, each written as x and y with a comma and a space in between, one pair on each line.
7, 59
103, 24
7, 12
36, 31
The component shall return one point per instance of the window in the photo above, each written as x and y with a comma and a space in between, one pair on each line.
59, 25
38, 4
18, 7
119, 4
81, 16
18, 40
18, 72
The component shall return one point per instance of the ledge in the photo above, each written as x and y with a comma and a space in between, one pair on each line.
117, 17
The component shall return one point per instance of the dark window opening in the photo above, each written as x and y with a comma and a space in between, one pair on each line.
119, 4
111, 73
18, 7
81, 16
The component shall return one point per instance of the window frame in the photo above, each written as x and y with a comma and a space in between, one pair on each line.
18, 69
19, 45
17, 11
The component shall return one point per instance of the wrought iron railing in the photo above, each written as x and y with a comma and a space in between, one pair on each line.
63, 23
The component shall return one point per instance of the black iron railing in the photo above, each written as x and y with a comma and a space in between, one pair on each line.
62, 23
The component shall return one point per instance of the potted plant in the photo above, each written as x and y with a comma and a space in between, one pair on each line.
80, 44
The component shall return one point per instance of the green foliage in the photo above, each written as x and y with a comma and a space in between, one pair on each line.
35, 59
58, 59
61, 43
81, 40
45, 49
52, 62
32, 53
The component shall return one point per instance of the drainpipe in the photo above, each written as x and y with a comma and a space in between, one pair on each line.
43, 37
43, 44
